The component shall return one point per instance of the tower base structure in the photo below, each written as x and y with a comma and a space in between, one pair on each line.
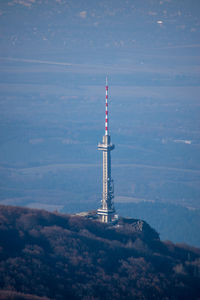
106, 216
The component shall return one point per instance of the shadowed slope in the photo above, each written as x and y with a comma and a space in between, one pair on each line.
72, 257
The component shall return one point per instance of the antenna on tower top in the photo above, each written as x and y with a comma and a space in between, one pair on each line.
106, 117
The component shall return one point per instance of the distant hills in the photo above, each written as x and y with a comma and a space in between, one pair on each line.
173, 222
47, 255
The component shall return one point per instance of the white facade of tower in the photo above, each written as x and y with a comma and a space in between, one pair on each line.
107, 211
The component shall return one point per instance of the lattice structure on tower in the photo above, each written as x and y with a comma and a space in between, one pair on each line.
107, 211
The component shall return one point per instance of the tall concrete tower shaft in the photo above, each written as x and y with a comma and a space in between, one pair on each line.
107, 211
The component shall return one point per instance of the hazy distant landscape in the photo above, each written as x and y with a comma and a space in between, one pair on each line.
54, 59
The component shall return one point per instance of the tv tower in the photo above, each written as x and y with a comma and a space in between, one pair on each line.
107, 210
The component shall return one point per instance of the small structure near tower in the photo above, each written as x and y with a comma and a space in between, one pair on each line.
107, 211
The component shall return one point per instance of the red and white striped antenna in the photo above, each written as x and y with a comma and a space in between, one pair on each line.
106, 116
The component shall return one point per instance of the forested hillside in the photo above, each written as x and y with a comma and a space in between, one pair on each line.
53, 256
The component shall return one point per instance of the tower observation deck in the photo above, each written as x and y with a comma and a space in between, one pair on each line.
107, 211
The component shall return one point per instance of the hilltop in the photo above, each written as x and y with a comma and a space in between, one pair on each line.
55, 256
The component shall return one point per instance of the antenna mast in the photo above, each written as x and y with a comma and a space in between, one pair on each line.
107, 211
106, 117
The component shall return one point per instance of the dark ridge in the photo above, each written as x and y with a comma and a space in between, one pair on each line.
12, 295
60, 256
